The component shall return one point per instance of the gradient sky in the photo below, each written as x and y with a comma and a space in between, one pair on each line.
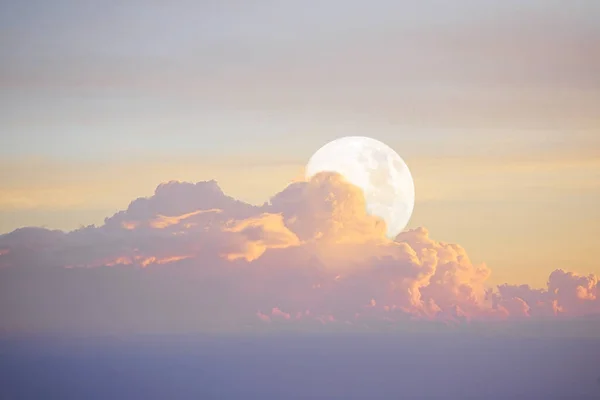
495, 107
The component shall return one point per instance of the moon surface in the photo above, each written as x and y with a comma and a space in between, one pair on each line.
375, 168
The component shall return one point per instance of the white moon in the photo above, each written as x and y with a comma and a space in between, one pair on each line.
376, 169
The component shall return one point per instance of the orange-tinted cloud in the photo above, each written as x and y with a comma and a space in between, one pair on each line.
192, 258
162, 221
256, 235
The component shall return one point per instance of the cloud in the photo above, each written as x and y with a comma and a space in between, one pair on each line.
174, 202
567, 294
256, 235
329, 209
190, 258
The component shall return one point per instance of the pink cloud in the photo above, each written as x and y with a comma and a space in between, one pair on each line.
276, 312
567, 294
263, 317
191, 258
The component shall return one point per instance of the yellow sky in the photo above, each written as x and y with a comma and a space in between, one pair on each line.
524, 217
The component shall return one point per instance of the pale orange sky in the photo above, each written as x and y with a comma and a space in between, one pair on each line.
522, 216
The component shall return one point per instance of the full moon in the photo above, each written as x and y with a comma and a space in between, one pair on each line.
375, 168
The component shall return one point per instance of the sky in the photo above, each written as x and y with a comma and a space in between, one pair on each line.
494, 106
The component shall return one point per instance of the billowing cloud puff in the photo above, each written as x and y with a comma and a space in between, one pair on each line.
568, 294
190, 258
329, 209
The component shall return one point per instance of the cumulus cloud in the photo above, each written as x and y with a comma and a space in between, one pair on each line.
190, 258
